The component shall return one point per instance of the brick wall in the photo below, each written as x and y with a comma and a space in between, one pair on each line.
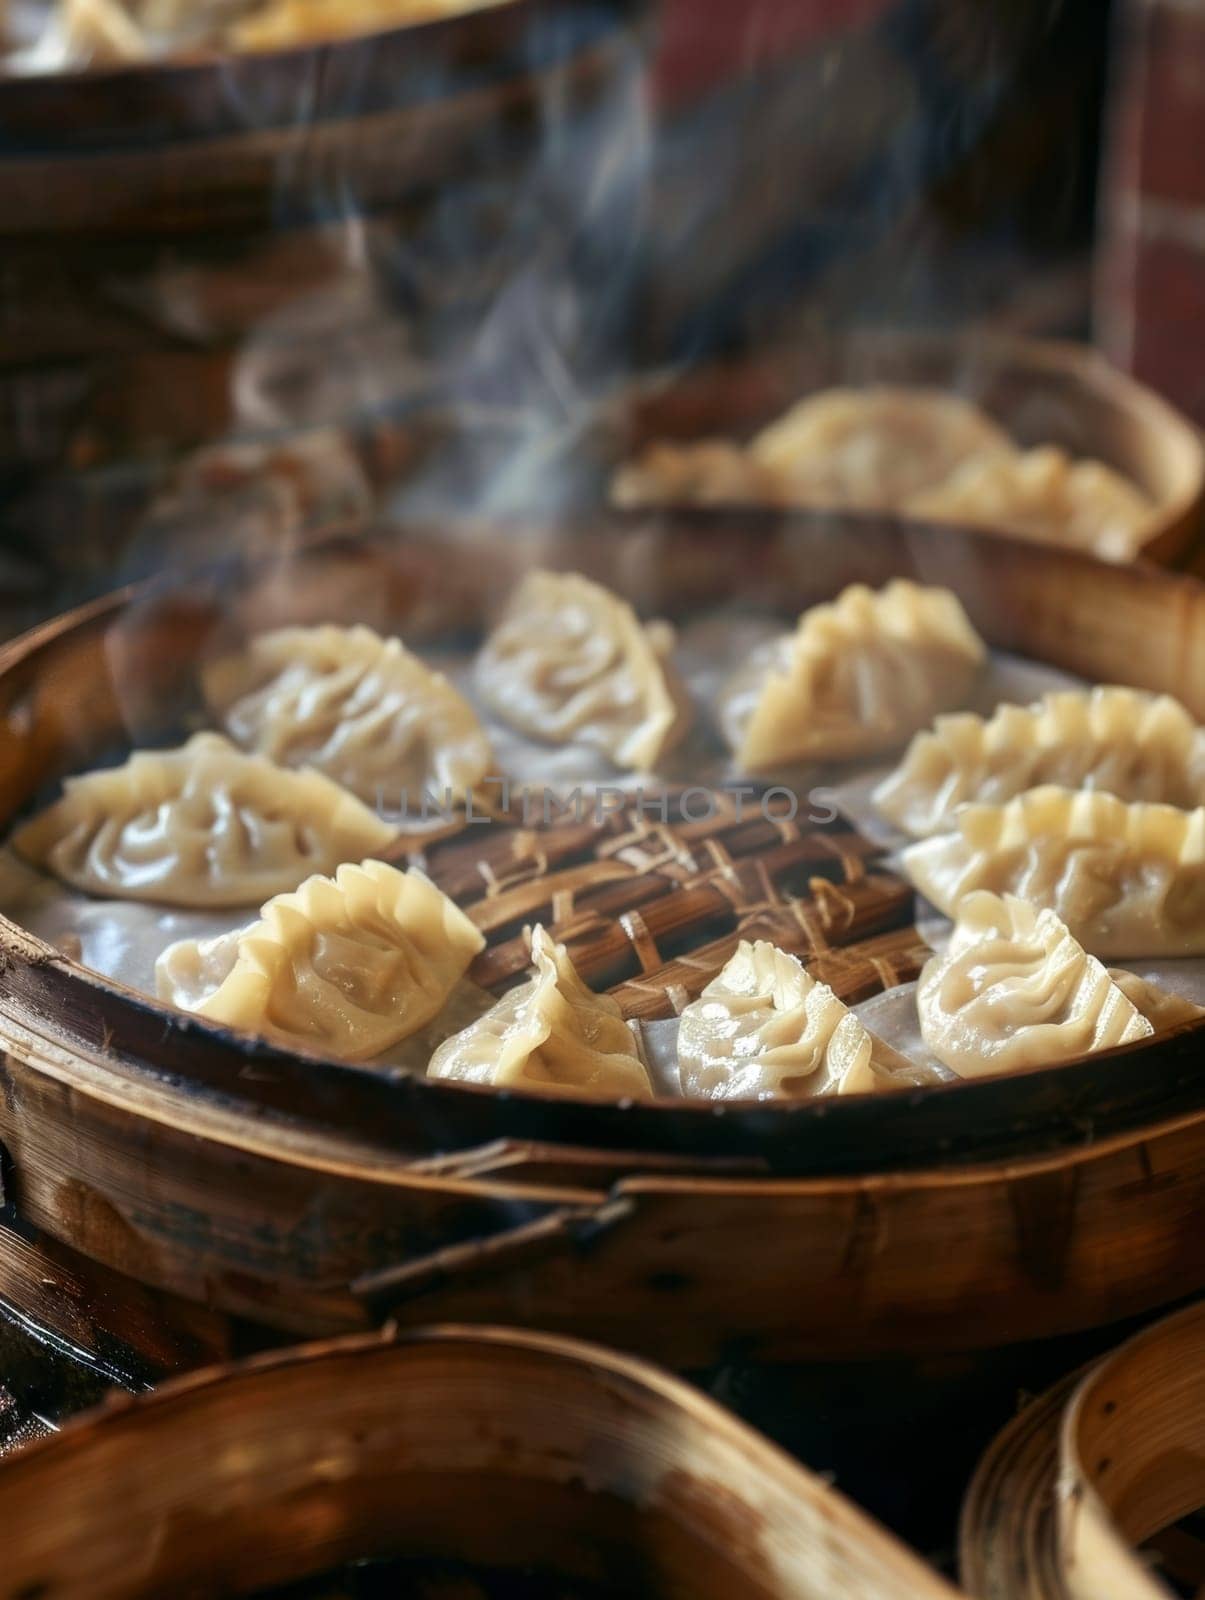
1150, 300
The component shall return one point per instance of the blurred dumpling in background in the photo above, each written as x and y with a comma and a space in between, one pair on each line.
570, 662
551, 1032
765, 1029
858, 676
202, 825
872, 448
1043, 494
709, 472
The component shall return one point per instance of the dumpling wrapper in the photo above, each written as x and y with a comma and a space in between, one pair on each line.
570, 662
201, 825
1127, 879
549, 1033
1133, 745
706, 472
858, 675
361, 709
765, 1029
349, 965
1014, 989
1161, 1008
872, 447
1043, 494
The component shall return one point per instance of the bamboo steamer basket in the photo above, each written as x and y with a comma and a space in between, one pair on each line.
1040, 391
316, 1197
1106, 1462
483, 1446
334, 205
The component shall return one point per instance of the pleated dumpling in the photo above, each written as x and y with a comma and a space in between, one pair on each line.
765, 1029
570, 662
1014, 989
1159, 1006
857, 676
1133, 745
872, 447
347, 965
1043, 494
551, 1032
202, 825
357, 707
1127, 879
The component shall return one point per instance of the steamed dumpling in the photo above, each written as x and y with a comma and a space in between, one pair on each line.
857, 676
1128, 880
709, 472
1133, 745
1044, 494
571, 663
765, 1029
357, 707
202, 825
349, 965
872, 447
1160, 1008
551, 1032
1014, 989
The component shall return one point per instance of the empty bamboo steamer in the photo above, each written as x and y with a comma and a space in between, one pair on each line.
1107, 1462
480, 1447
317, 1197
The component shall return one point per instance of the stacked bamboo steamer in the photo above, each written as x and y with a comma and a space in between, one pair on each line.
315, 1197
1108, 1461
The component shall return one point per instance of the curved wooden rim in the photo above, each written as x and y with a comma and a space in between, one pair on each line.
1120, 1436
976, 1119
1129, 1457
792, 1505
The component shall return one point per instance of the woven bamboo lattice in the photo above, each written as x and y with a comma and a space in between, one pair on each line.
651, 906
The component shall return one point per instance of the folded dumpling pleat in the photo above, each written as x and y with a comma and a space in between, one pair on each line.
550, 1032
1133, 745
1014, 989
347, 965
766, 1029
570, 662
857, 676
1127, 879
202, 825
361, 709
